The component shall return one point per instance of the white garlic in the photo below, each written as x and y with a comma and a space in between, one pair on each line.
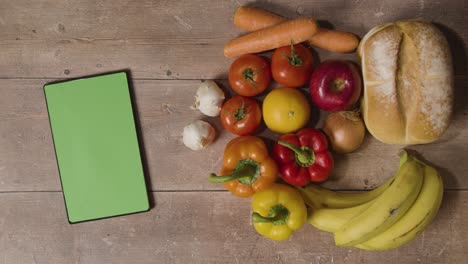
198, 135
209, 98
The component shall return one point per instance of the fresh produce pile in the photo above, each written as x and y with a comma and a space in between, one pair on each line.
282, 180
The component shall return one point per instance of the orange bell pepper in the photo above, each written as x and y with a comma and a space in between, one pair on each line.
247, 167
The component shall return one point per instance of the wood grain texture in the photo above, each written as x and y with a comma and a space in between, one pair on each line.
195, 227
27, 159
178, 39
169, 46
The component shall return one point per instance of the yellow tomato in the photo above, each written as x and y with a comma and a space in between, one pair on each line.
285, 110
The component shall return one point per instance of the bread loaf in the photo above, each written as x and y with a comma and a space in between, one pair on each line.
408, 82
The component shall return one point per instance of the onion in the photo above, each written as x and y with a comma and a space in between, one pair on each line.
345, 130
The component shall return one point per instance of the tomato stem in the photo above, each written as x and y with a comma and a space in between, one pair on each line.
248, 75
241, 112
294, 59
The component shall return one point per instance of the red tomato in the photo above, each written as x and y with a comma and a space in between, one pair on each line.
249, 75
241, 115
292, 66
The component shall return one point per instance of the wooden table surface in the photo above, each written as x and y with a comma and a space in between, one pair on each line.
169, 47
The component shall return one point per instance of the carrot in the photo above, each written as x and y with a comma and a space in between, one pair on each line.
333, 40
252, 19
282, 34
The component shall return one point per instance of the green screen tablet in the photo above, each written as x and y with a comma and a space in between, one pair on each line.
96, 146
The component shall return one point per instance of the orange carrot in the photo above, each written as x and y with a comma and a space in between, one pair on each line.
252, 19
282, 34
333, 40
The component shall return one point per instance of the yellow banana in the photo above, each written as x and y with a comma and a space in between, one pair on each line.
416, 219
319, 197
332, 219
386, 209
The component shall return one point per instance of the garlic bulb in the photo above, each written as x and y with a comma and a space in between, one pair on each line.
209, 98
198, 135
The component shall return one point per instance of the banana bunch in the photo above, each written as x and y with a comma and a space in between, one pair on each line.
385, 218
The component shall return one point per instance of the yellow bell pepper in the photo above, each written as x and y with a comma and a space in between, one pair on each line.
278, 211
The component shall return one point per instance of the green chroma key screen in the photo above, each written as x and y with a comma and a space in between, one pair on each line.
96, 146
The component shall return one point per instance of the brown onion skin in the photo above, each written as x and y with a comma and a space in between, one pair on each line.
345, 131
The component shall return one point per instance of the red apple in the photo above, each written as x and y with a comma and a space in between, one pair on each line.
335, 85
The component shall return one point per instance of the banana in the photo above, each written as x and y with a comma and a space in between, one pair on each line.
418, 217
386, 209
332, 219
319, 197
328, 212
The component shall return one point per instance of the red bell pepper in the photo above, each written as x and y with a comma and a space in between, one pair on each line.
303, 157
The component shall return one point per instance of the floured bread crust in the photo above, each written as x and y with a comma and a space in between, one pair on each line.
408, 82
